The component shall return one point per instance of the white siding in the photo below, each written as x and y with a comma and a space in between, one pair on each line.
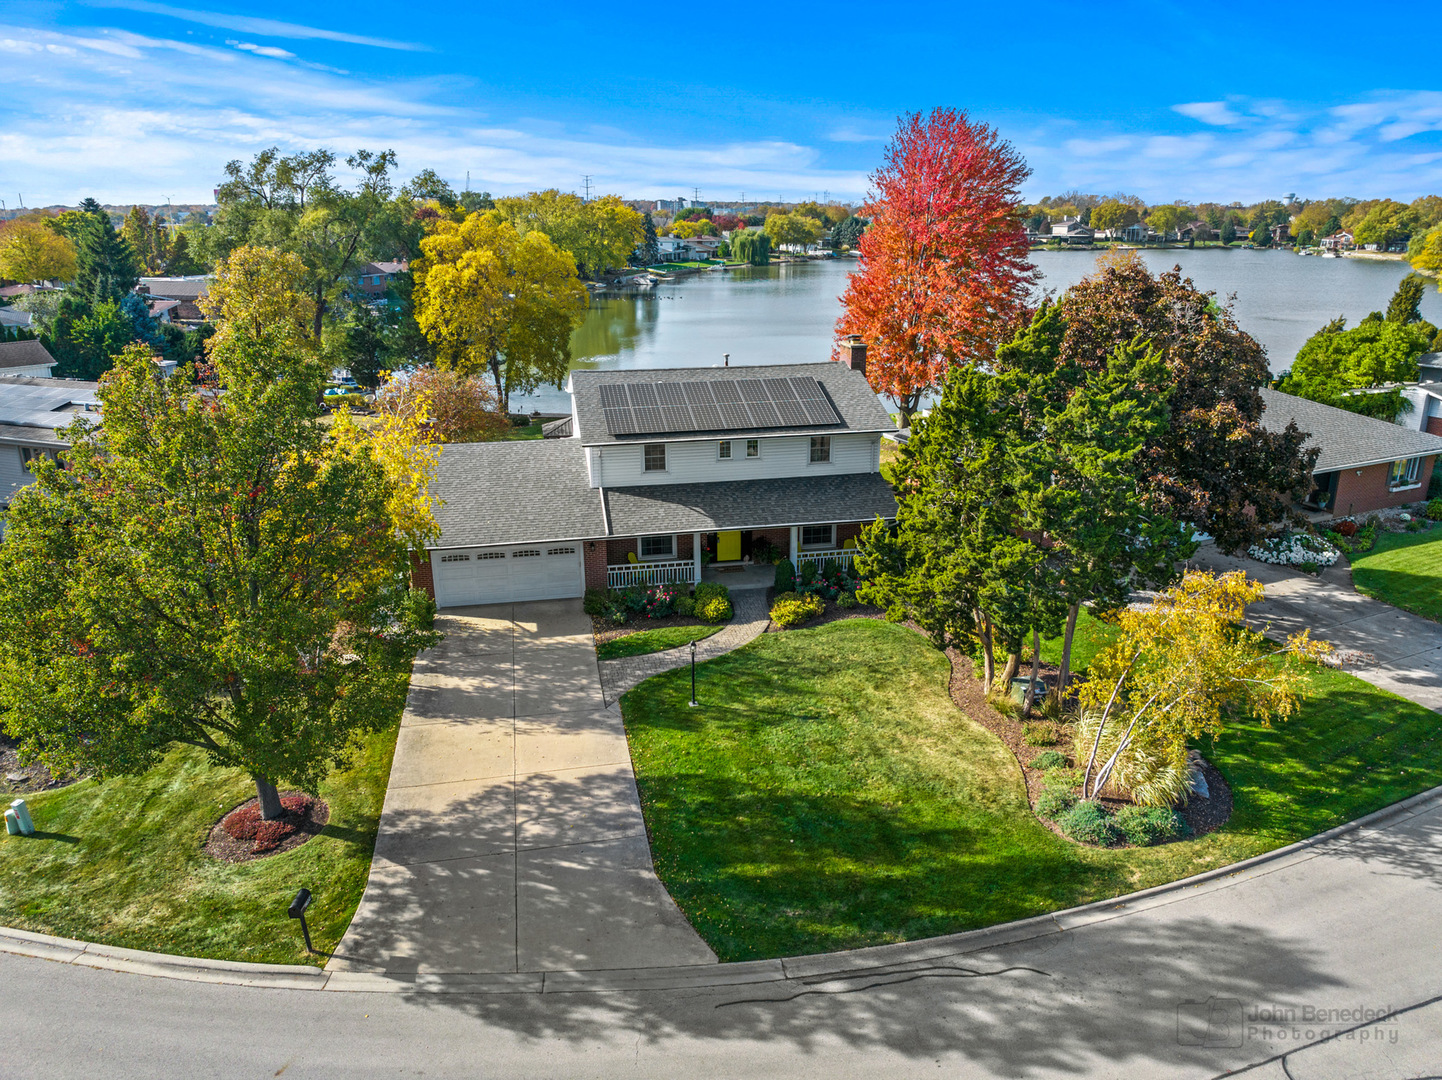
13, 472
697, 462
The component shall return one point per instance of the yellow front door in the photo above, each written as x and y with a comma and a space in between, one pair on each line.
728, 547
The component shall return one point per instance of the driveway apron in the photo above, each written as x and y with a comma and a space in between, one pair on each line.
512, 837
1385, 646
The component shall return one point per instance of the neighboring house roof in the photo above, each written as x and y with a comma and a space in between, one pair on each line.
1347, 440
11, 317
385, 268
14, 354
21, 290
160, 307
557, 429
169, 288
185, 311
526, 491
748, 504
848, 390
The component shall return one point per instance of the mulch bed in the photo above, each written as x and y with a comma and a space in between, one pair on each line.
240, 836
1203, 815
18, 778
604, 630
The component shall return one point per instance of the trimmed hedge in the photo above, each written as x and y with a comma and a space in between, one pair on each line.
793, 609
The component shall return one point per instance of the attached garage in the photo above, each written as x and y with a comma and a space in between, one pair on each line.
498, 575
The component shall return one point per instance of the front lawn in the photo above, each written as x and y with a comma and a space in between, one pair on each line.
650, 641
1404, 570
829, 795
120, 862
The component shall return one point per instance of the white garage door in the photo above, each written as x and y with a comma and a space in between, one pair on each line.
499, 575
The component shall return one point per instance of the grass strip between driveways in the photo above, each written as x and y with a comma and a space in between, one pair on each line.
828, 794
120, 862
1404, 570
660, 639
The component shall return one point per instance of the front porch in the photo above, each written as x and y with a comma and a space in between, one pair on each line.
691, 558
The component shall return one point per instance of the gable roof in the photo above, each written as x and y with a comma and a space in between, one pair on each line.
854, 400
15, 354
170, 288
1347, 440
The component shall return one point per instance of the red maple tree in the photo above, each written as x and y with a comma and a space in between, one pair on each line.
944, 276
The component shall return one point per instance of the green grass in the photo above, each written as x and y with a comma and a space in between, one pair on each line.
121, 862
649, 641
829, 795
1404, 570
529, 431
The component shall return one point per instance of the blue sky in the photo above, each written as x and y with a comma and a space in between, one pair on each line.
138, 100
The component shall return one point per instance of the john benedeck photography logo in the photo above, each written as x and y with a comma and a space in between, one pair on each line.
1226, 1022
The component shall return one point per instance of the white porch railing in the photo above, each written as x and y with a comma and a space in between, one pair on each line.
624, 575
841, 557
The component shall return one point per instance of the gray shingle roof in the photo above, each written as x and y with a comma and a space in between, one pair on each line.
15, 354
1347, 440
748, 504
177, 288
855, 401
536, 490
515, 493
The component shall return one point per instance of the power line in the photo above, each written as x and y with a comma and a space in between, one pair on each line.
587, 181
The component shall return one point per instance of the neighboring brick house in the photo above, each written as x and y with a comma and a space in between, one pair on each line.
1363, 464
375, 278
175, 299
661, 466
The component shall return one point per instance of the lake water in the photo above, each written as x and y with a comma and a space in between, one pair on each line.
787, 314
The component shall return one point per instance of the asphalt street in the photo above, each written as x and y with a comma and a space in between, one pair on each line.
1321, 965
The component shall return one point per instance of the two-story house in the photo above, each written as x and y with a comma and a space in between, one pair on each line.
660, 466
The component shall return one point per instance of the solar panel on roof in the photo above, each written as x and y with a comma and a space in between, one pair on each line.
665, 407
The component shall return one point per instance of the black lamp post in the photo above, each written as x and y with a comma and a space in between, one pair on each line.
693, 701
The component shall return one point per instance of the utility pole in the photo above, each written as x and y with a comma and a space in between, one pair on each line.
587, 181
695, 196
468, 179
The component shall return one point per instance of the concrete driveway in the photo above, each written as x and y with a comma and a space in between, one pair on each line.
1390, 648
512, 837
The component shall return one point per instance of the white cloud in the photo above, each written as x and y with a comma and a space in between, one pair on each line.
1216, 113
262, 50
260, 27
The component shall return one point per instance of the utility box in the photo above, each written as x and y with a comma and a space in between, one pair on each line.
18, 821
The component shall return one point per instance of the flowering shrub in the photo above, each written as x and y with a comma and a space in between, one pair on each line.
247, 824
661, 601
1296, 549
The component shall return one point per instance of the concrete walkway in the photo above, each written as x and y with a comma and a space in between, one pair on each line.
512, 837
1385, 646
749, 621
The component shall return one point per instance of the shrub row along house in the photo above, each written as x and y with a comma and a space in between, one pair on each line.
659, 466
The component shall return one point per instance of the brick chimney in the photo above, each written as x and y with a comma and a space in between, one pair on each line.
142, 290
856, 354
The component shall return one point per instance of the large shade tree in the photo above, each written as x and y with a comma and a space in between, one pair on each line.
212, 567
1216, 466
944, 277
494, 300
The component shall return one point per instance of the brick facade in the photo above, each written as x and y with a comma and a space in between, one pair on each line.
1361, 491
594, 554
1434, 425
421, 572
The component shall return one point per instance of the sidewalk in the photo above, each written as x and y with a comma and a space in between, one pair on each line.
749, 621
1400, 652
512, 838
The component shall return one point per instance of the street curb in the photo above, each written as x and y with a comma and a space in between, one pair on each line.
807, 968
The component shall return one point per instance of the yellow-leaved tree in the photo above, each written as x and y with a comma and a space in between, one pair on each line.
492, 299
1179, 669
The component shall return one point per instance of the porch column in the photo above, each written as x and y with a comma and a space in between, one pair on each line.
696, 556
795, 543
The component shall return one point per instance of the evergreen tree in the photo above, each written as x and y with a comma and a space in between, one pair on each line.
1406, 303
105, 264
649, 253
179, 261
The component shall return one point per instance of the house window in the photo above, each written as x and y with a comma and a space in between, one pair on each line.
658, 547
1405, 472
817, 536
820, 448
29, 454
656, 457
723, 450
753, 447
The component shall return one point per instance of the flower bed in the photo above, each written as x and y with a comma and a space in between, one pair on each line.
1296, 549
243, 834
